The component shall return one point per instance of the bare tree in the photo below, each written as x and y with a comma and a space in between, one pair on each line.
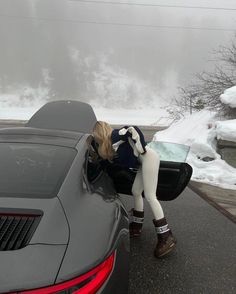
208, 86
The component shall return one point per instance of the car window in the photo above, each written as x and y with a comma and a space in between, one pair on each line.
170, 151
98, 180
33, 170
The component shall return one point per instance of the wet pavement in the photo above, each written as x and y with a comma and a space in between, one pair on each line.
222, 199
204, 260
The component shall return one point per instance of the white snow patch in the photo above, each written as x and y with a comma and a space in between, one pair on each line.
200, 131
226, 130
229, 97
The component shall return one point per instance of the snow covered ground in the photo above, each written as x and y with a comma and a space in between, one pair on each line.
12, 107
229, 97
198, 130
201, 131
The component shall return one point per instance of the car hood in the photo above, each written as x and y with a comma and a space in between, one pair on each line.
36, 264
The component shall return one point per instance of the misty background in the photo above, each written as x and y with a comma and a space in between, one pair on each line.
110, 55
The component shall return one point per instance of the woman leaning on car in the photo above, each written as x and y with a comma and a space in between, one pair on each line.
127, 147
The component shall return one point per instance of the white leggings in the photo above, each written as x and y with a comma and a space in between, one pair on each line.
146, 180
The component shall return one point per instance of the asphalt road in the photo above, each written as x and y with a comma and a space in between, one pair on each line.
204, 260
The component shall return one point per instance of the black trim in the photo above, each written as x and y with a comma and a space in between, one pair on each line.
17, 227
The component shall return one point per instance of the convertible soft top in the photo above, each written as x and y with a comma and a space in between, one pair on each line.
67, 115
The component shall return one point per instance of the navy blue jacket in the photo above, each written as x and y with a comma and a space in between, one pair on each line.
128, 143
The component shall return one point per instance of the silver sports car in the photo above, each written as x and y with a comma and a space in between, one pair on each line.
63, 227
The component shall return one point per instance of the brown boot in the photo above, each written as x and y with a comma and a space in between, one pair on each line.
166, 241
135, 227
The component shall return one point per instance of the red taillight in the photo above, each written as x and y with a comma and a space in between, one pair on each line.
88, 283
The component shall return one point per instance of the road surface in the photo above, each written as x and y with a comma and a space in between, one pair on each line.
204, 260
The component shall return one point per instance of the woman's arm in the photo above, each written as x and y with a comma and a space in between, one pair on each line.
136, 135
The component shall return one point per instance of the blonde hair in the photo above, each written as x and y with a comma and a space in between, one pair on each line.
102, 135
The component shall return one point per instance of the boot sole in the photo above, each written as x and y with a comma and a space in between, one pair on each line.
173, 245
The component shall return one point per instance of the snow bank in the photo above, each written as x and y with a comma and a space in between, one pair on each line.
229, 97
200, 131
226, 130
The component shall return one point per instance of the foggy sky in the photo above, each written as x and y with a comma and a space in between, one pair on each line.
44, 35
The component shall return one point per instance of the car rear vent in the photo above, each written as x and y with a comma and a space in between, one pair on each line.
17, 229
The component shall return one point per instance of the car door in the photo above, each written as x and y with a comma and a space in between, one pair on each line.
174, 173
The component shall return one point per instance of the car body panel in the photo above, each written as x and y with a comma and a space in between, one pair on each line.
31, 267
95, 231
88, 225
97, 221
53, 227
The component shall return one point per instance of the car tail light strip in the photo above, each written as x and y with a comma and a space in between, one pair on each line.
88, 283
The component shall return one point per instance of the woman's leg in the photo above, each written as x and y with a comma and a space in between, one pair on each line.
137, 190
136, 223
150, 168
